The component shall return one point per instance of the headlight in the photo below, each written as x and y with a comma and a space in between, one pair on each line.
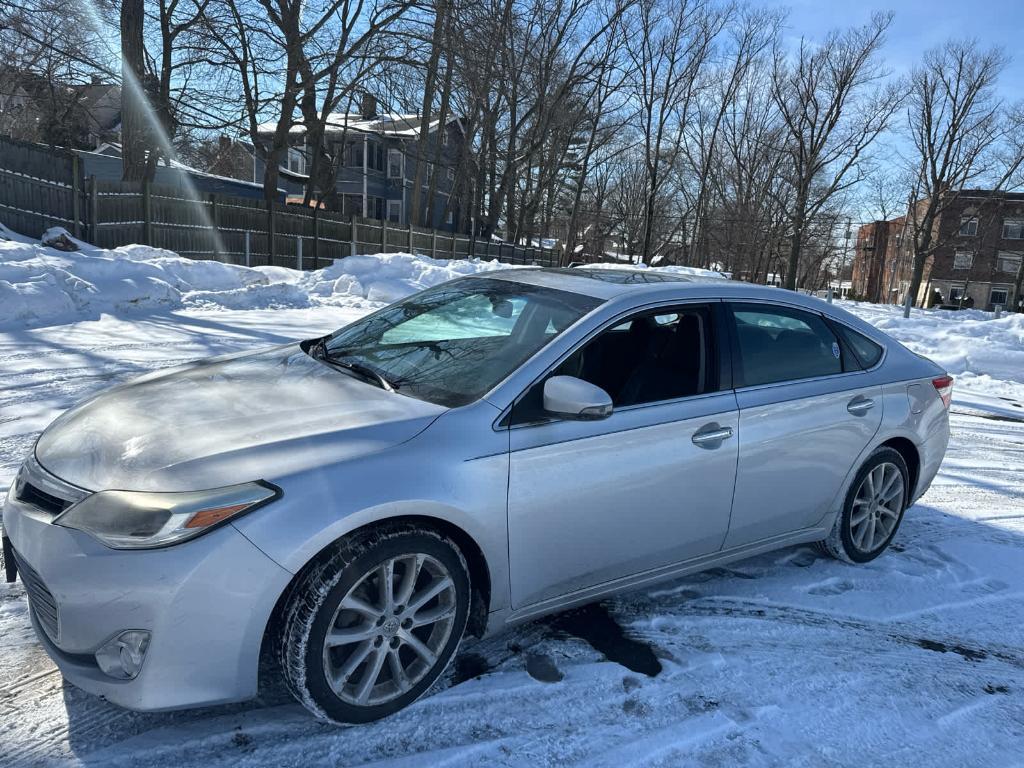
140, 520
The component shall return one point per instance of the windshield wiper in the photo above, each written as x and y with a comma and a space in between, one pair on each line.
365, 371
318, 349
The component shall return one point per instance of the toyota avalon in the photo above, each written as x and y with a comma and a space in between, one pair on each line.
479, 454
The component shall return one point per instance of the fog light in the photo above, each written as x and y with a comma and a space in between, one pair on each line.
122, 656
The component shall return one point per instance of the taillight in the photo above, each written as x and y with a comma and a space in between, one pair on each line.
944, 386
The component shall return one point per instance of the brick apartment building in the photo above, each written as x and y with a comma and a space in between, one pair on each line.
980, 240
881, 263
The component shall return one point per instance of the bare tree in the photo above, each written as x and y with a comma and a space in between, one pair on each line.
50, 54
833, 106
962, 134
669, 45
750, 33
609, 80
746, 224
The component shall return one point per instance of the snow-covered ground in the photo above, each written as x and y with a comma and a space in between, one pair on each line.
785, 659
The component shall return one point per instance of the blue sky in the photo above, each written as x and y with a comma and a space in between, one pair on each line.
919, 25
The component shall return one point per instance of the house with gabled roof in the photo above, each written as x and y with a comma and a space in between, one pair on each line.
375, 158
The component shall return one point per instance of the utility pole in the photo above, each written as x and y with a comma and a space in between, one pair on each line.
846, 253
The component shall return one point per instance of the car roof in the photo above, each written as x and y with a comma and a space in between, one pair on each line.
610, 283
601, 283
636, 286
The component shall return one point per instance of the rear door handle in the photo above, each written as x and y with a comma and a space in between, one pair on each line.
711, 434
860, 405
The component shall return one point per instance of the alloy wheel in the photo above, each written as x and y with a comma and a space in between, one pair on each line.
390, 629
876, 507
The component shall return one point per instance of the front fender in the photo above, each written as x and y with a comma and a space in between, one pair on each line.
439, 474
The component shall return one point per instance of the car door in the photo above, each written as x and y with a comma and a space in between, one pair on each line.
590, 502
806, 415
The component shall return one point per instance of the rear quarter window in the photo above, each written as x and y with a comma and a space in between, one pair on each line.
867, 351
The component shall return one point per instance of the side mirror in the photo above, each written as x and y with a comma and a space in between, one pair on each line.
572, 398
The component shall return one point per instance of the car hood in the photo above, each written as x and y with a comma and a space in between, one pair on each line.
224, 421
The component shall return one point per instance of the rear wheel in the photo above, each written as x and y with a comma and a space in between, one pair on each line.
370, 627
873, 509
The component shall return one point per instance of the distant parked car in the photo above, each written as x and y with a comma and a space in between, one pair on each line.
477, 455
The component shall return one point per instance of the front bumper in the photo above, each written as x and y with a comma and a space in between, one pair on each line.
206, 603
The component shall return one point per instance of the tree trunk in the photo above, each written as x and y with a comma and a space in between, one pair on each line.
793, 260
922, 250
430, 85
133, 99
442, 119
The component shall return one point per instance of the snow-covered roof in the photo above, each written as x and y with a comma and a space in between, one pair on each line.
113, 150
392, 124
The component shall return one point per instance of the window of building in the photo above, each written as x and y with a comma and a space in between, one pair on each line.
968, 226
354, 154
375, 155
963, 260
1013, 229
395, 210
1007, 261
376, 206
450, 173
297, 159
955, 294
396, 163
450, 218
352, 205
781, 344
998, 296
444, 137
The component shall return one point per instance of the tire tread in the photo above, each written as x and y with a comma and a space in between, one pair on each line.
833, 544
312, 589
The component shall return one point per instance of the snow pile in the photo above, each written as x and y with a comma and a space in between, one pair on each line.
984, 354
379, 279
675, 270
49, 285
41, 285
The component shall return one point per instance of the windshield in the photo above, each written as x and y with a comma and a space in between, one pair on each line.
452, 343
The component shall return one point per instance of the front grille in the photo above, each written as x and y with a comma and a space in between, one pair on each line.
40, 499
40, 599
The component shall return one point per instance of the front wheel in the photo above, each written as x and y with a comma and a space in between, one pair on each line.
873, 509
371, 627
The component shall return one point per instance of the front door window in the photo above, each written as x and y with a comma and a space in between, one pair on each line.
650, 357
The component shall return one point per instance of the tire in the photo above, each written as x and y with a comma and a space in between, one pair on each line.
404, 650
861, 531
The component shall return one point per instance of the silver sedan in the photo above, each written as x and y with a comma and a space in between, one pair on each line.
480, 454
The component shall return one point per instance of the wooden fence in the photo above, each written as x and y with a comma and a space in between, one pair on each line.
42, 188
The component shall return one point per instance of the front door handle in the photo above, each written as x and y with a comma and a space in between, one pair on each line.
710, 435
860, 405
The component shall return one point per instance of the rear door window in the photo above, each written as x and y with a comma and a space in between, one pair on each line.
777, 344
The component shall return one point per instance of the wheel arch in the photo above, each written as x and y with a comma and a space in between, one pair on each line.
911, 456
479, 572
